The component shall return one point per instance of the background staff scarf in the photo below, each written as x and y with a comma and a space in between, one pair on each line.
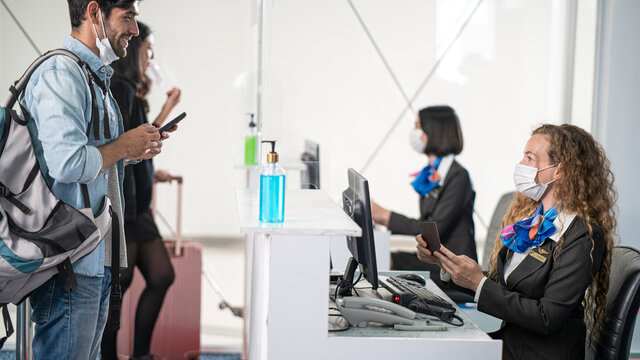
427, 179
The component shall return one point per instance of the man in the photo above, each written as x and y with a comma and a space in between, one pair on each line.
69, 324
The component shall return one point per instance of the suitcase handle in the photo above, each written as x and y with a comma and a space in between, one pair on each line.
178, 179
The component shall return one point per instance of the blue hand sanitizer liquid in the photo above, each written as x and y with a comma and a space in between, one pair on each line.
272, 180
272, 198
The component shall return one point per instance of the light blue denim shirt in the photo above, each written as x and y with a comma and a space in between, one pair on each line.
58, 98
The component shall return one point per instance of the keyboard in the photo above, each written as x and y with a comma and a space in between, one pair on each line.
414, 296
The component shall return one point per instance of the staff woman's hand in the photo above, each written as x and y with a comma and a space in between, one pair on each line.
424, 254
463, 270
380, 215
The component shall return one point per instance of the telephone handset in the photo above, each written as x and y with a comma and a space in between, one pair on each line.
358, 311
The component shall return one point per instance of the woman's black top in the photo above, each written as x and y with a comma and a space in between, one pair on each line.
138, 178
450, 205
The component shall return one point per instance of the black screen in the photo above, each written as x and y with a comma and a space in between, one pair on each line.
356, 203
310, 176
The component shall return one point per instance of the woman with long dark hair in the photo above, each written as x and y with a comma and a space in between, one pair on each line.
145, 248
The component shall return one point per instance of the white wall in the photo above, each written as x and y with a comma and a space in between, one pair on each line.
616, 106
324, 81
202, 46
503, 77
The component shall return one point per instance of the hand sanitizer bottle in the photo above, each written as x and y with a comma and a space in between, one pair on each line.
251, 141
272, 177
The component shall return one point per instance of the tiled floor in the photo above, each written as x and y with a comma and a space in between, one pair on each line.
223, 263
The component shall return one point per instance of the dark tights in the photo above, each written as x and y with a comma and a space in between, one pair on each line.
153, 261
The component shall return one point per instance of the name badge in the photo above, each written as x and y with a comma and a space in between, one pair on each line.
537, 256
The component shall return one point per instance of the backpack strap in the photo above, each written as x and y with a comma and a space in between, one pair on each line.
94, 111
10, 197
19, 85
8, 326
67, 277
5, 129
105, 119
115, 299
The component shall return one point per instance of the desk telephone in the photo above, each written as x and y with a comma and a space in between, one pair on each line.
359, 310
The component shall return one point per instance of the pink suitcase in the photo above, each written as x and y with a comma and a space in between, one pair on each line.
177, 331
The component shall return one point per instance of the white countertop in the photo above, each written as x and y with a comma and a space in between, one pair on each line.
306, 212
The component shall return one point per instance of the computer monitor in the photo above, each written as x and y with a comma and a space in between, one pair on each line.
356, 203
310, 176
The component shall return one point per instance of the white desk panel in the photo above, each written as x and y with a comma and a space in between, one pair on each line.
288, 283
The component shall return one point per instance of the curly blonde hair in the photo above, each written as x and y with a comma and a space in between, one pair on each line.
585, 186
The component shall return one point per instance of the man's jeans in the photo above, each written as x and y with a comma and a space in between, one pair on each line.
70, 325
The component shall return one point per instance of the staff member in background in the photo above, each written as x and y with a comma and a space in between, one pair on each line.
547, 266
444, 187
145, 248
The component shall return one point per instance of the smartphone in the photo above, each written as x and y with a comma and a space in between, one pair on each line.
429, 232
172, 123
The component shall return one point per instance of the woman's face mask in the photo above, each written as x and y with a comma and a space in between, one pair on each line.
524, 178
415, 140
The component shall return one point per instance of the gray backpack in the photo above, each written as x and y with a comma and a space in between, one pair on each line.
40, 235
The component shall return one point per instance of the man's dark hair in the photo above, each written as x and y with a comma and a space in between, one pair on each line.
77, 8
442, 127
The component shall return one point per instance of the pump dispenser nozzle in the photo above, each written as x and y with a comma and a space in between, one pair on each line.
273, 155
252, 123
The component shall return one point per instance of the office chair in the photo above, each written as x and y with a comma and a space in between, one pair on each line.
623, 300
495, 226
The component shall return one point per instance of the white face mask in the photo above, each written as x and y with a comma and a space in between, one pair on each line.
107, 55
415, 140
524, 178
153, 73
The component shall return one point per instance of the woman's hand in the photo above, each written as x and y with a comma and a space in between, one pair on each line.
424, 254
162, 176
464, 271
173, 98
379, 214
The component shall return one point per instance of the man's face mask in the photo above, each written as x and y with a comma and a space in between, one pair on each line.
107, 55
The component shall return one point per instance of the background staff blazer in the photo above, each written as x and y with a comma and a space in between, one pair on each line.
541, 303
450, 205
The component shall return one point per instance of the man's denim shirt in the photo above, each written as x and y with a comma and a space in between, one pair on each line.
59, 101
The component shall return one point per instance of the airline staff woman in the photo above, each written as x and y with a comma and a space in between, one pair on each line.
549, 272
444, 188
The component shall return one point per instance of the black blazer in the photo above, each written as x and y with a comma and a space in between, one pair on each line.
450, 205
541, 303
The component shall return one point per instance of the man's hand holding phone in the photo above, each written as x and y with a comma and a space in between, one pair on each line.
171, 126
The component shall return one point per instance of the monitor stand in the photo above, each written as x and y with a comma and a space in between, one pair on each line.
347, 279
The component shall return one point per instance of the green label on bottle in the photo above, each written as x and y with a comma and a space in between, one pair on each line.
250, 150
